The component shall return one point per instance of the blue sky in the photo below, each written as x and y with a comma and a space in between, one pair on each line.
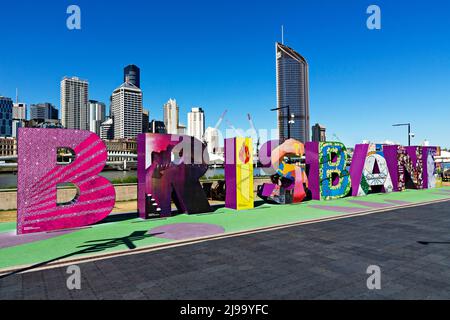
221, 55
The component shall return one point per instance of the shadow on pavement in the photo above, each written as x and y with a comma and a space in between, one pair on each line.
93, 246
433, 242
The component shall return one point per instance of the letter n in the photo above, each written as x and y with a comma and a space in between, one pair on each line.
405, 166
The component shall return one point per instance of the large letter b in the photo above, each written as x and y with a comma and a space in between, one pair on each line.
39, 174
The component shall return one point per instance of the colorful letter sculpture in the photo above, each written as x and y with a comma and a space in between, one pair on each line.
169, 168
239, 173
369, 170
406, 166
328, 175
39, 174
429, 175
287, 182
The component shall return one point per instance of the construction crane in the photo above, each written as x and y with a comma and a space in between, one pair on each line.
232, 127
252, 126
218, 123
336, 137
220, 119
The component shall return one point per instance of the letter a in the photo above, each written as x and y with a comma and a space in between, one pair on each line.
74, 20
374, 20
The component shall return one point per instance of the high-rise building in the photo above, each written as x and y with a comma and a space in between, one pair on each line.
171, 111
196, 123
212, 140
157, 127
126, 108
182, 130
74, 103
43, 111
6, 116
107, 129
97, 114
292, 91
19, 117
145, 121
132, 74
19, 111
319, 133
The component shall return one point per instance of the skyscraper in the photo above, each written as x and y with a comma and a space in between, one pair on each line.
145, 121
292, 91
97, 113
43, 111
19, 111
212, 140
74, 103
132, 74
157, 127
6, 116
319, 133
171, 111
107, 130
196, 123
19, 117
126, 108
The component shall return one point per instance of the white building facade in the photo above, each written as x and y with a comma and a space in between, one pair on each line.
74, 103
196, 123
212, 140
97, 114
126, 111
171, 116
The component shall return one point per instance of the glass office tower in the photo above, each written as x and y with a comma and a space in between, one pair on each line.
292, 91
6, 116
132, 74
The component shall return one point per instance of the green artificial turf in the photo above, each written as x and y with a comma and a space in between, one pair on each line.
94, 237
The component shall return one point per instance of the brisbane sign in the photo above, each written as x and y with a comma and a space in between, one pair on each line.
170, 166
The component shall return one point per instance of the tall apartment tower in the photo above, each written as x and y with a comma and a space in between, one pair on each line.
171, 119
292, 91
196, 123
74, 103
132, 74
97, 115
126, 110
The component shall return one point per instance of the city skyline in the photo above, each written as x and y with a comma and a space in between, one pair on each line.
352, 69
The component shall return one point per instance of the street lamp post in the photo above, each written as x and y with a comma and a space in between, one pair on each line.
409, 130
289, 118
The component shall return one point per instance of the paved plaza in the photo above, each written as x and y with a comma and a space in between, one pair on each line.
326, 260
